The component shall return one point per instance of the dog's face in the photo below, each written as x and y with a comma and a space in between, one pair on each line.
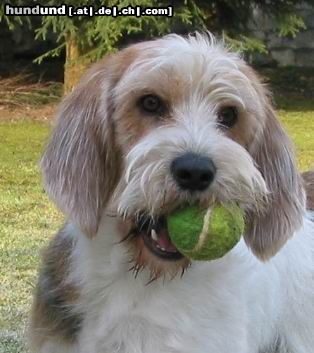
166, 123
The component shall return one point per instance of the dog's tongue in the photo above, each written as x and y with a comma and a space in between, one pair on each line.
164, 240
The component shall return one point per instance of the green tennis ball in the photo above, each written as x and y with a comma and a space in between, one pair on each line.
206, 234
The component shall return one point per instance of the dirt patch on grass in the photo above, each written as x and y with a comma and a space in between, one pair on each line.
41, 113
21, 97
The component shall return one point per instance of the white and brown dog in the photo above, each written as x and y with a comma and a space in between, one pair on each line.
157, 125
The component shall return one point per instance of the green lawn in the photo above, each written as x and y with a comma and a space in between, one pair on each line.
28, 219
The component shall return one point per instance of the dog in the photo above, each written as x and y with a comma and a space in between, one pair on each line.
158, 125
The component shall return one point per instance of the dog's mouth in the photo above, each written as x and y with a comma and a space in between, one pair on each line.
155, 235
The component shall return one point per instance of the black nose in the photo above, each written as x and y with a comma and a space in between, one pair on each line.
193, 172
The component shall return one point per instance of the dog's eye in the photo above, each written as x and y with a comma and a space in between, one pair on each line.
151, 104
228, 116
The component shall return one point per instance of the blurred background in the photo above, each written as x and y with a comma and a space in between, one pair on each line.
43, 57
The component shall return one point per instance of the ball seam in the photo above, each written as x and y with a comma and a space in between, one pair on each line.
204, 232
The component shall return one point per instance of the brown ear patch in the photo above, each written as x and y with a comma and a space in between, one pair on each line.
81, 164
273, 153
308, 179
55, 297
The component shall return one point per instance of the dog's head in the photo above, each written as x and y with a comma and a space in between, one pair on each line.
167, 122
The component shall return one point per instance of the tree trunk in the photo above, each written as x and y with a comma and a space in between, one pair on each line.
74, 64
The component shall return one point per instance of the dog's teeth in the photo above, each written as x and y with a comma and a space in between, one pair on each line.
154, 235
160, 248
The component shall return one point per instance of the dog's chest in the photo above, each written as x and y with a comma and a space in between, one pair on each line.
177, 317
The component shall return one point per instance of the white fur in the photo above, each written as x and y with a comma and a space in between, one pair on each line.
209, 77
236, 304
147, 174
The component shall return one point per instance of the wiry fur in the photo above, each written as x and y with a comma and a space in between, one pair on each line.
274, 156
108, 161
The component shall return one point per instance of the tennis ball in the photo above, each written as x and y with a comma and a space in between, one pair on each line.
206, 234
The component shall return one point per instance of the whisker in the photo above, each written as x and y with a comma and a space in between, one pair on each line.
182, 272
131, 268
137, 270
152, 279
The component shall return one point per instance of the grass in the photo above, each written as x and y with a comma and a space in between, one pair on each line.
28, 219
300, 127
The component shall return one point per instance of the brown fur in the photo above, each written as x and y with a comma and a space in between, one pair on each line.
308, 179
273, 153
250, 123
268, 231
83, 160
141, 257
81, 164
55, 297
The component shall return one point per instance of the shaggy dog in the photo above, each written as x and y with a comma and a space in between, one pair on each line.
161, 124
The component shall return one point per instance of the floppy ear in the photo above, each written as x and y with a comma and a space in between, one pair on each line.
81, 164
273, 153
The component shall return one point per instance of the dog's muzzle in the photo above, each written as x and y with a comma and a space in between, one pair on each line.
156, 237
